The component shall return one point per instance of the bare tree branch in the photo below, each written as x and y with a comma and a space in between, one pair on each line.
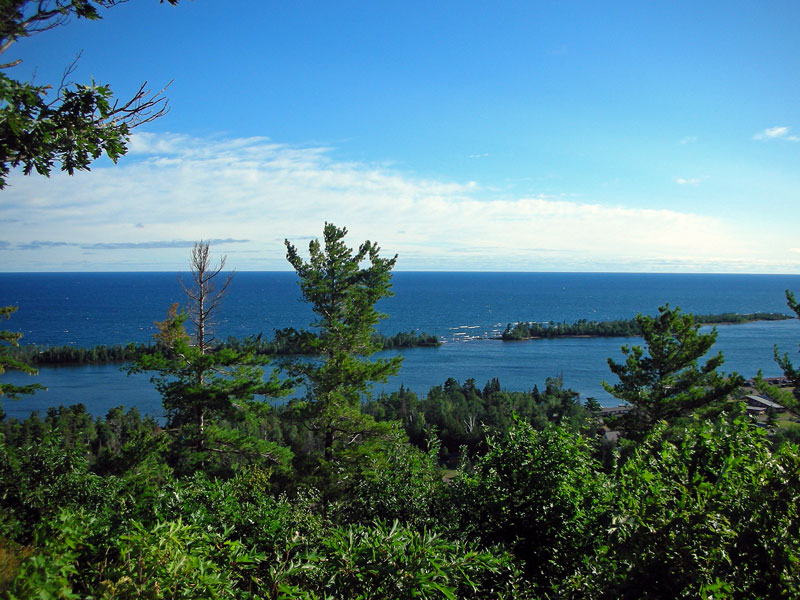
206, 299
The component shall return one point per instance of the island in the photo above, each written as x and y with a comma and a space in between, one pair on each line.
618, 328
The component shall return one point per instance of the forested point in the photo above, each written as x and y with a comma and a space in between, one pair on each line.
281, 345
620, 327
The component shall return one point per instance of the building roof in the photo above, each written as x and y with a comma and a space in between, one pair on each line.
764, 402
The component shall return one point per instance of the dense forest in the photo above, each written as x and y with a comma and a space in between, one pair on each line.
469, 492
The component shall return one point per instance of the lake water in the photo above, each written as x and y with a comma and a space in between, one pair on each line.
86, 309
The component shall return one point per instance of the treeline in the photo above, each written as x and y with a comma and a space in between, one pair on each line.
462, 416
619, 327
73, 355
281, 345
726, 318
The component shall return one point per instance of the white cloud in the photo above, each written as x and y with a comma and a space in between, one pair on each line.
688, 180
776, 133
180, 188
689, 139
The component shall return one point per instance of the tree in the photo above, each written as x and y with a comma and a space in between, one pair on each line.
78, 123
202, 385
343, 294
539, 494
792, 373
668, 382
694, 510
205, 299
7, 361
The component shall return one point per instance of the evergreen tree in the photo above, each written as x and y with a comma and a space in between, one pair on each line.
7, 361
668, 382
342, 294
792, 373
202, 386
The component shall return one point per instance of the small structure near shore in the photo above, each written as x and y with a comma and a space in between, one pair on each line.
612, 411
764, 404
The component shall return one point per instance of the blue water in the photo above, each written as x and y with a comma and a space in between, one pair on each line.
86, 309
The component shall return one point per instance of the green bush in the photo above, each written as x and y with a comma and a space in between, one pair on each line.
707, 511
539, 494
393, 562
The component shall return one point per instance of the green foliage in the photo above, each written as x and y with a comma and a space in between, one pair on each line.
202, 387
51, 572
391, 561
539, 494
342, 295
10, 339
731, 318
175, 560
619, 327
668, 382
77, 126
73, 355
282, 345
524, 331
792, 373
243, 507
401, 483
463, 415
77, 130
704, 512
36, 481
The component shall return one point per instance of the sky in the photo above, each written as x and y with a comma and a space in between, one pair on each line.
461, 136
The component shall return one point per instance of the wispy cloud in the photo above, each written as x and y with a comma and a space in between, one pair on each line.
39, 245
776, 133
689, 139
254, 193
689, 180
155, 245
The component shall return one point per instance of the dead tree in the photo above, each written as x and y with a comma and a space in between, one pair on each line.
205, 297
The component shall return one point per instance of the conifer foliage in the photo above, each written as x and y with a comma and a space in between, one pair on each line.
343, 294
200, 384
8, 361
668, 382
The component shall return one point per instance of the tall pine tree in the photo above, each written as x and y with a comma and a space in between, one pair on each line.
342, 291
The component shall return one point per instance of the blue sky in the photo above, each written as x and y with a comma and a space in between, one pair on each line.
529, 136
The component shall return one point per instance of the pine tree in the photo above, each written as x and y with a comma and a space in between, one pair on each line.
7, 361
203, 386
338, 375
791, 372
668, 382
